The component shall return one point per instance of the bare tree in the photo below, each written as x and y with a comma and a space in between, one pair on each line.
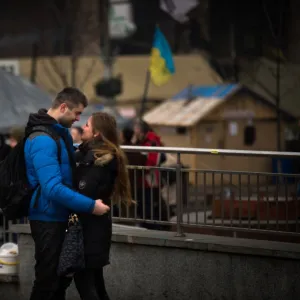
75, 27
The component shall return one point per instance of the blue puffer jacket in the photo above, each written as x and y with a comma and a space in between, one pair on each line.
56, 199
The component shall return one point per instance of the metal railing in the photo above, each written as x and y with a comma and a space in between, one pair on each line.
210, 200
5, 234
183, 199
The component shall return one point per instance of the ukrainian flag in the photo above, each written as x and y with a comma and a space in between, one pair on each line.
161, 64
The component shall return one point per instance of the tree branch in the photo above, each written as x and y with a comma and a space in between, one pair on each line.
77, 24
88, 74
59, 72
52, 79
264, 88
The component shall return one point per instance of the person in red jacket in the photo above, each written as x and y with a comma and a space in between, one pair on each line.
150, 182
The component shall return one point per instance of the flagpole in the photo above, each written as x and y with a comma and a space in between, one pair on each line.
145, 94
146, 89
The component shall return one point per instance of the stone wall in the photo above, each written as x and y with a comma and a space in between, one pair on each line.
157, 265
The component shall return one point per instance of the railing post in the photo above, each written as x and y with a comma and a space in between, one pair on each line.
179, 208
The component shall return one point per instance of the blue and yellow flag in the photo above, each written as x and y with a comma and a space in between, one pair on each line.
161, 64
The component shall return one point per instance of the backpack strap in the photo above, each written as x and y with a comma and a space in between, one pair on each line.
52, 133
71, 156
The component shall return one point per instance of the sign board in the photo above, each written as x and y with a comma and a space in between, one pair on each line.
233, 128
11, 66
121, 23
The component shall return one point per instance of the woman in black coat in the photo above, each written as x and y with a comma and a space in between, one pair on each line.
100, 174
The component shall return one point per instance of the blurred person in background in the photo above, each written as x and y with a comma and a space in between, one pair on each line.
16, 135
145, 136
76, 133
4, 151
4, 148
134, 159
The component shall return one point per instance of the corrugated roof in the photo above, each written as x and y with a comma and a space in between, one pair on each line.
179, 112
217, 91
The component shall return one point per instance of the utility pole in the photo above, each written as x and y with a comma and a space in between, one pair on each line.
105, 42
114, 26
234, 50
278, 98
34, 57
278, 40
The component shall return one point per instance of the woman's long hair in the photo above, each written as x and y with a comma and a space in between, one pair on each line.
109, 144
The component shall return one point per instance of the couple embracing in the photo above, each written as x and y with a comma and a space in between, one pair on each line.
66, 182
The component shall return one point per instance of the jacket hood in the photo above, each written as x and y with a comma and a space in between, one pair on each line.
86, 154
40, 118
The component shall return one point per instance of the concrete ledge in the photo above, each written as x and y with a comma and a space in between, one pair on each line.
139, 236
157, 265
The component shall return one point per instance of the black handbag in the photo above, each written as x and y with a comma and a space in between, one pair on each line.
71, 258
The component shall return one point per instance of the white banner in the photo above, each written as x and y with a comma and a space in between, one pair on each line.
121, 23
178, 8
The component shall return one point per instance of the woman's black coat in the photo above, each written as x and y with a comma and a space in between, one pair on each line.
96, 182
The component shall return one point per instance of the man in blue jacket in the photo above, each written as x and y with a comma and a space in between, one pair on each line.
50, 171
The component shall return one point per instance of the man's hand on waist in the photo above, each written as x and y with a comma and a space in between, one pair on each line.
100, 208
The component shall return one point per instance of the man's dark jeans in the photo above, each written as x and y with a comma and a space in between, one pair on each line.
48, 238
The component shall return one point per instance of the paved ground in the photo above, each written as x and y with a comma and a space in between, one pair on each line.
9, 291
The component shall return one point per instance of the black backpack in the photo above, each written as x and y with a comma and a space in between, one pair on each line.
15, 193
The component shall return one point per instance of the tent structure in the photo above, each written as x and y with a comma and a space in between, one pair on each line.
19, 98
